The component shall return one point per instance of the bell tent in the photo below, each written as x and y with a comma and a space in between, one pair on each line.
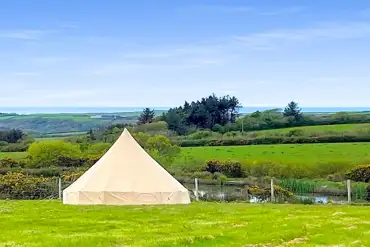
126, 175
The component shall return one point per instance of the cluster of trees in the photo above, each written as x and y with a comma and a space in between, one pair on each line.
11, 136
63, 153
203, 114
14, 140
292, 116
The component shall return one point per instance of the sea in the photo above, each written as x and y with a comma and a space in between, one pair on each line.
245, 109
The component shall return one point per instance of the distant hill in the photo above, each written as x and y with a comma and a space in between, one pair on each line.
64, 123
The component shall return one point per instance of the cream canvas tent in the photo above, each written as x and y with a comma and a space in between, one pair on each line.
126, 175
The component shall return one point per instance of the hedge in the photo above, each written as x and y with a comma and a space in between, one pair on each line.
242, 141
20, 186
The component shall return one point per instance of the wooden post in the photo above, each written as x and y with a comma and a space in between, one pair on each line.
349, 190
60, 187
196, 190
272, 190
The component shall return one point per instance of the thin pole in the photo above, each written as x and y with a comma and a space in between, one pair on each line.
272, 190
242, 125
196, 190
60, 187
349, 190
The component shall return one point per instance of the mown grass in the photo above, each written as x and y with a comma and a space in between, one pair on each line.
49, 223
13, 155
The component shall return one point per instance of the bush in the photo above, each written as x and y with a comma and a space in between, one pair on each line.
63, 161
15, 147
200, 134
47, 172
264, 194
10, 163
368, 193
336, 177
20, 186
359, 174
229, 168
3, 143
46, 153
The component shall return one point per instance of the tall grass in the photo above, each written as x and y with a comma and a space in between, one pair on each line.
360, 191
299, 186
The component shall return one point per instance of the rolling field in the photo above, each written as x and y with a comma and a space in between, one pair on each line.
49, 223
352, 153
319, 129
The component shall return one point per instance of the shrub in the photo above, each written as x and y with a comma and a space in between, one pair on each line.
359, 174
15, 147
264, 194
63, 161
260, 140
336, 177
73, 176
20, 186
3, 143
218, 128
229, 168
46, 153
201, 134
10, 163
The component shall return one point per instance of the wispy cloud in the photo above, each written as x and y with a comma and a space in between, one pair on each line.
23, 34
272, 39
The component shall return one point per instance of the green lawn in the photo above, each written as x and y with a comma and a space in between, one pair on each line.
49, 223
13, 155
354, 153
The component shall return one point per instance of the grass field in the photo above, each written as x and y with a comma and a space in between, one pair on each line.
320, 129
14, 155
49, 223
353, 153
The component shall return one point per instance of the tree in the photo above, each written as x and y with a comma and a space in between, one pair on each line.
91, 136
203, 114
147, 116
293, 110
46, 153
11, 136
158, 146
97, 149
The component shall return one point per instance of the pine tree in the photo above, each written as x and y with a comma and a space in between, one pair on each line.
147, 116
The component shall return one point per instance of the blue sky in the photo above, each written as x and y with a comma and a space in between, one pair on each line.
161, 53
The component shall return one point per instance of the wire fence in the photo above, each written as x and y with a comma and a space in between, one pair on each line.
279, 191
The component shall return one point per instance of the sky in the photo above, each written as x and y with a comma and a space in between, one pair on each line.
122, 53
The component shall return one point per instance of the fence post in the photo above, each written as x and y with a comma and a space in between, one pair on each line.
349, 190
60, 187
246, 192
272, 190
196, 190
